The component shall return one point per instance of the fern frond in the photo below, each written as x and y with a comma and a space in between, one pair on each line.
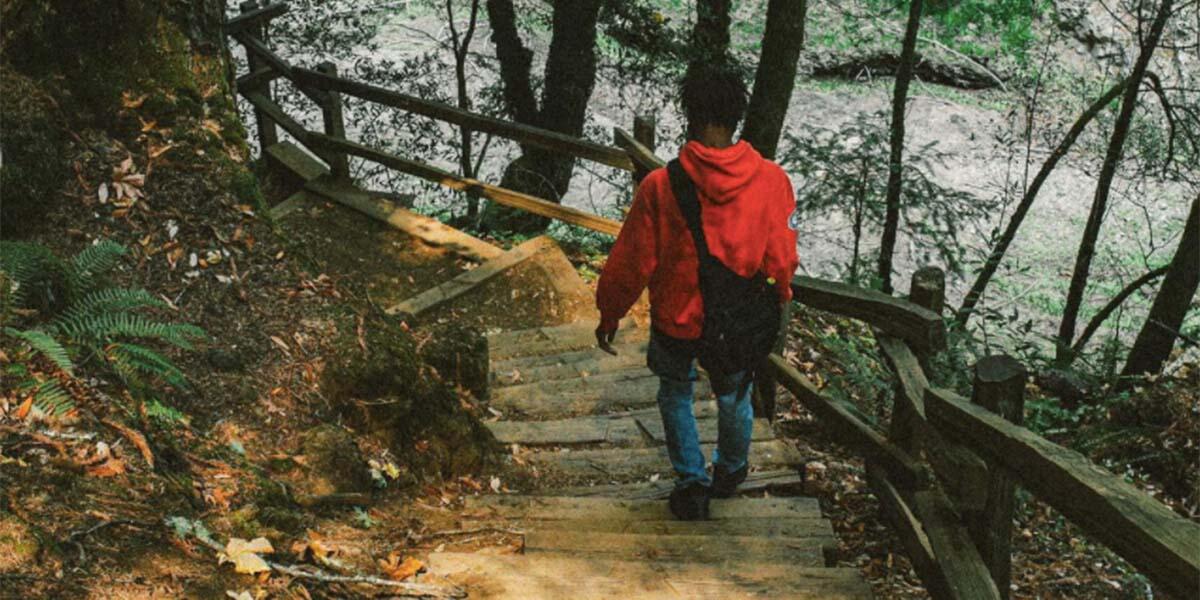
22, 260
52, 400
162, 412
110, 327
92, 262
110, 300
130, 360
44, 344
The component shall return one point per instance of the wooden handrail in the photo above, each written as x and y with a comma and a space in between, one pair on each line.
1131, 523
643, 158
249, 19
920, 327
497, 194
901, 468
523, 134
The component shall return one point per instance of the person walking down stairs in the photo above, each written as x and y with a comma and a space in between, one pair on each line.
709, 235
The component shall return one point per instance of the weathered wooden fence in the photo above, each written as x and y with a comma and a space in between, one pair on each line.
947, 468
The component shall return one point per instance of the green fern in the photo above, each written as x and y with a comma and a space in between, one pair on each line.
45, 345
110, 300
131, 360
106, 328
52, 400
92, 263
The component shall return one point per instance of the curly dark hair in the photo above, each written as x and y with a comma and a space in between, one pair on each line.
713, 93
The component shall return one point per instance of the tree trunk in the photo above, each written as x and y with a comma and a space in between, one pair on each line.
461, 46
570, 77
1154, 342
710, 35
891, 221
1018, 217
1112, 158
776, 75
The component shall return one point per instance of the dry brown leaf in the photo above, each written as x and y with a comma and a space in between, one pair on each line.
398, 569
282, 344
111, 466
128, 101
245, 555
136, 438
24, 408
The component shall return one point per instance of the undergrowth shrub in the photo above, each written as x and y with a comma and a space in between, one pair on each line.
63, 314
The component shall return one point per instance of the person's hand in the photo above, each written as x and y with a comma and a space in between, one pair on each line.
605, 337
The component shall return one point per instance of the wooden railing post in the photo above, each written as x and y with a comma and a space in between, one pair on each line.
999, 387
928, 290
267, 134
335, 124
644, 127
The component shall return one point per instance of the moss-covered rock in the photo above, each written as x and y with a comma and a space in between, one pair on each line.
390, 392
332, 464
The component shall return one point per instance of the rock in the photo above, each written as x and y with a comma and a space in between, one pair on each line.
458, 351
331, 464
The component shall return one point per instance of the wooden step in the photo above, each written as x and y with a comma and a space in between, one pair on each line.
571, 398
769, 527
636, 463
622, 431
472, 279
779, 480
618, 509
554, 340
547, 576
579, 363
731, 550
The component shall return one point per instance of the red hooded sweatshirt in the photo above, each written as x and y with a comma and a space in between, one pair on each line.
745, 203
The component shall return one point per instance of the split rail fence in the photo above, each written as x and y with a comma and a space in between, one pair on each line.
947, 467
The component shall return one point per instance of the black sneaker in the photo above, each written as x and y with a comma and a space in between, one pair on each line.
725, 484
690, 503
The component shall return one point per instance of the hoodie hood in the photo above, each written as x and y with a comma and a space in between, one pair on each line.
720, 174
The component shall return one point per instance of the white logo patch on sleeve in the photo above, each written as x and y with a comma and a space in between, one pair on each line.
794, 220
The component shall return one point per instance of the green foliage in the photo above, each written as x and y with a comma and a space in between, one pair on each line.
844, 175
95, 320
979, 28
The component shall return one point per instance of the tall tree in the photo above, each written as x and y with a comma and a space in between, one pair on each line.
460, 45
891, 221
1176, 294
710, 35
1014, 223
776, 75
570, 75
1112, 159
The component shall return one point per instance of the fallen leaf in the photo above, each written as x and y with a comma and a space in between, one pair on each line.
245, 555
282, 345
243, 595
102, 193
110, 467
135, 437
398, 569
24, 408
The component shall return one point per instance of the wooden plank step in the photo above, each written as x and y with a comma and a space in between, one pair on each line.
617, 509
469, 280
730, 550
553, 340
640, 462
769, 527
566, 365
430, 230
552, 577
778, 480
624, 431
536, 402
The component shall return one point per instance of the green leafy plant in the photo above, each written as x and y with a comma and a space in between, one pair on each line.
69, 314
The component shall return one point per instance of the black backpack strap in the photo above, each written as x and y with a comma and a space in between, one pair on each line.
689, 205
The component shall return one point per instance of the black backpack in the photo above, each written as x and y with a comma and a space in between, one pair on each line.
741, 315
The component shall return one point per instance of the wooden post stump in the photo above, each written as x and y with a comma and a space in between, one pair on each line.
335, 124
644, 127
999, 387
267, 134
931, 281
929, 289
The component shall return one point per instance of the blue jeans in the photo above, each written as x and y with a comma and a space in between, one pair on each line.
675, 366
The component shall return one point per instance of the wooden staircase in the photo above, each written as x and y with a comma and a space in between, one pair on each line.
599, 527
